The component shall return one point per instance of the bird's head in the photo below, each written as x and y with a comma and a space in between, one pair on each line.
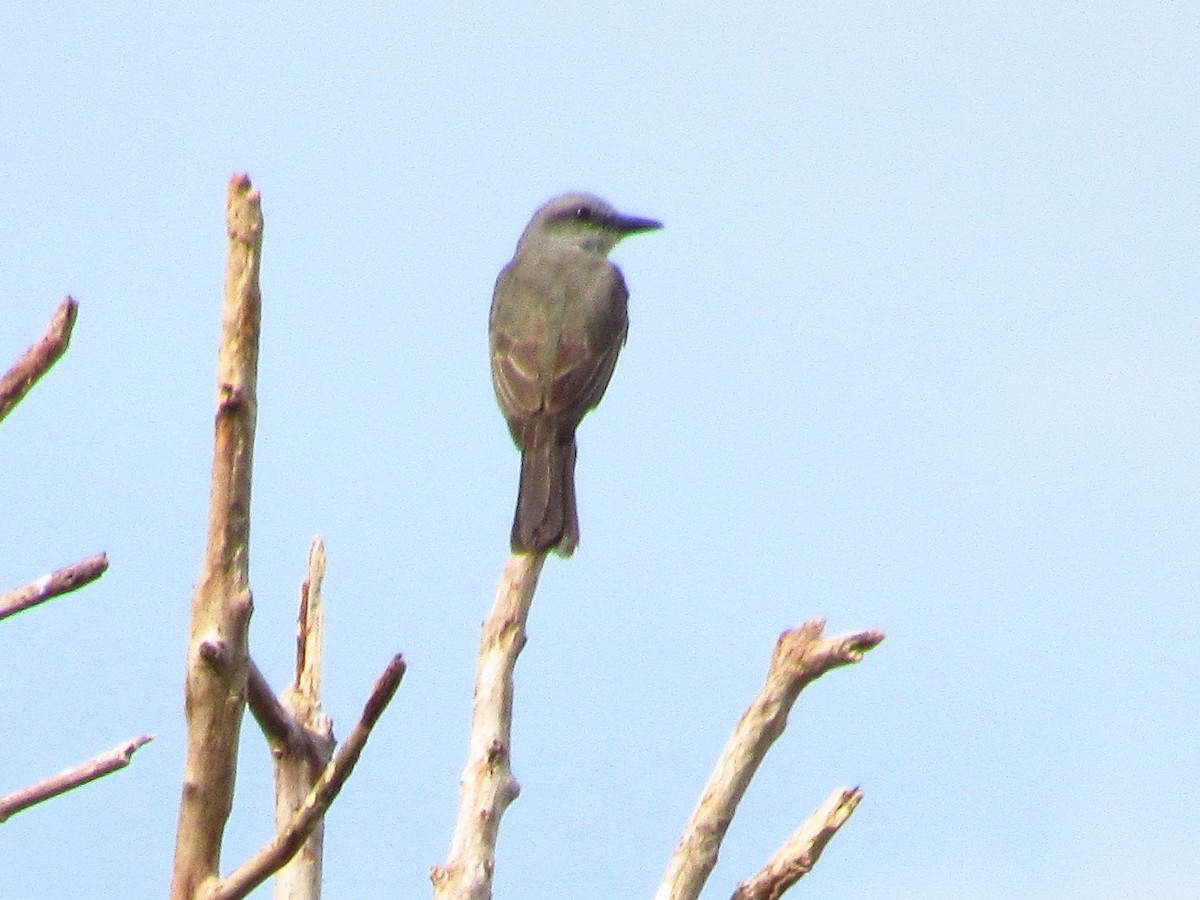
584, 221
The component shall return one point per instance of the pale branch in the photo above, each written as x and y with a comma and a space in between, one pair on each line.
295, 772
801, 656
291, 837
55, 584
800, 852
37, 360
488, 785
310, 626
97, 767
217, 660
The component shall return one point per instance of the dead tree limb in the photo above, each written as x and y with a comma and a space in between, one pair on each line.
801, 656
53, 585
299, 734
292, 836
488, 785
294, 725
37, 360
800, 852
300, 878
217, 661
97, 767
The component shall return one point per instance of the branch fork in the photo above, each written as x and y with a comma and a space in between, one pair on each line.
801, 656
221, 676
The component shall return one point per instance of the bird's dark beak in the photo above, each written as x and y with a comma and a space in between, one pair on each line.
633, 224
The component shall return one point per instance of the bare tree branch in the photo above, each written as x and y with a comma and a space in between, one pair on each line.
278, 718
278, 725
295, 772
801, 656
800, 852
488, 785
37, 360
14, 385
55, 584
97, 767
215, 689
284, 845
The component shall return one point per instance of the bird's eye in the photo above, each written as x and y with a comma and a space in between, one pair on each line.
583, 213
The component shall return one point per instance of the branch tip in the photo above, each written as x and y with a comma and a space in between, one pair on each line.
98, 766
63, 581
800, 656
39, 358
800, 852
384, 689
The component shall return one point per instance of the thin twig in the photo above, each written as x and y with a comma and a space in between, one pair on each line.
280, 849
37, 360
488, 785
801, 656
800, 852
55, 584
217, 669
97, 767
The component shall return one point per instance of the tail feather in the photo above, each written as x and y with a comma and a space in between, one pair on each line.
546, 518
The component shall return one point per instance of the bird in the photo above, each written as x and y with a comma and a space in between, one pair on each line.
558, 320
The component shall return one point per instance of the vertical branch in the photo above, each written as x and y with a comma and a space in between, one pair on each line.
308, 776
488, 785
297, 768
215, 690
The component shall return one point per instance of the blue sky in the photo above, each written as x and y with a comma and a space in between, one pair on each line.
915, 351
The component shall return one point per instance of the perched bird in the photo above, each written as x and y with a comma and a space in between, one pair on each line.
557, 323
